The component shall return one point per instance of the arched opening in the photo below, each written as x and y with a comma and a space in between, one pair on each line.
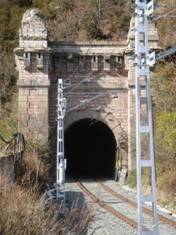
90, 149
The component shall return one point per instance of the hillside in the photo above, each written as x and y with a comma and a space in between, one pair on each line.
66, 20
72, 20
99, 20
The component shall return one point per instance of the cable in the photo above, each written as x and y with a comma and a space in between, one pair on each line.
88, 79
164, 17
86, 101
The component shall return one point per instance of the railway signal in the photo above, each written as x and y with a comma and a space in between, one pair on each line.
144, 123
60, 159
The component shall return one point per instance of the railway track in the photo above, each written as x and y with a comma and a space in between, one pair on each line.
105, 206
129, 205
134, 205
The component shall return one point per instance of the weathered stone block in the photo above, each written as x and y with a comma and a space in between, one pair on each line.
94, 70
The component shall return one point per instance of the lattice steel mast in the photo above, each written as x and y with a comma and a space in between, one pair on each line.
61, 161
144, 125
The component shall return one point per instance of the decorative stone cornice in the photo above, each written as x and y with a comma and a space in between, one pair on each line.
33, 83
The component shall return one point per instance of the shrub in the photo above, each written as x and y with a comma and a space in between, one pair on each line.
23, 211
165, 135
131, 179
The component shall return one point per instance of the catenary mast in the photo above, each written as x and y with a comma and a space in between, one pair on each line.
144, 123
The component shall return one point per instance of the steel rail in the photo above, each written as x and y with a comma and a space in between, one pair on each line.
105, 206
134, 204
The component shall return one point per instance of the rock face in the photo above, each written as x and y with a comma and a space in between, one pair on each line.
91, 69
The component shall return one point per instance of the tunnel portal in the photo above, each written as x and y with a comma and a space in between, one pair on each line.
90, 149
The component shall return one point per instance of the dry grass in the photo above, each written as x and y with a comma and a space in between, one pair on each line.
166, 181
34, 167
23, 211
23, 208
32, 170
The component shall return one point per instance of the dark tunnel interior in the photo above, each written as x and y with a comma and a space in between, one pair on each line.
90, 149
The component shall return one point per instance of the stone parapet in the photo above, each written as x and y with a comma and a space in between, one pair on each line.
99, 48
88, 69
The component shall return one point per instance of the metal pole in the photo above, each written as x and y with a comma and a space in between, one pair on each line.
144, 129
60, 162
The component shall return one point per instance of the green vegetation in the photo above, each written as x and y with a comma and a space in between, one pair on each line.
66, 20
89, 20
8, 120
131, 179
164, 91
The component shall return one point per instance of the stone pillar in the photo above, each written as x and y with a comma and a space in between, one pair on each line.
129, 62
32, 59
131, 112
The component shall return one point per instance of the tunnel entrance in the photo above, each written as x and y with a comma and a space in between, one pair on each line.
90, 149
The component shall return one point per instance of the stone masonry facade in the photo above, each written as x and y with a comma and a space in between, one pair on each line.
103, 70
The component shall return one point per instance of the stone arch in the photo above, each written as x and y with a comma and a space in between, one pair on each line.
112, 123
105, 117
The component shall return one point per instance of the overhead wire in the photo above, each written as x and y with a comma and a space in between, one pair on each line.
83, 102
86, 101
89, 76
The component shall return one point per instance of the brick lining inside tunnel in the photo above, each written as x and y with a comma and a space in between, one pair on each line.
90, 149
